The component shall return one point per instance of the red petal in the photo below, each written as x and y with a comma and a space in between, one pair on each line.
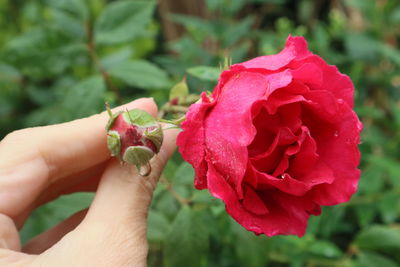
310, 74
340, 85
286, 214
253, 203
191, 140
296, 48
338, 149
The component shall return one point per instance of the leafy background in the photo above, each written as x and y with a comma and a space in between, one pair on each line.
61, 60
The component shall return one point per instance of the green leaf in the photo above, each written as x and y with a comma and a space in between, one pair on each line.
389, 207
361, 46
85, 98
192, 23
236, 32
117, 58
330, 220
142, 74
70, 102
9, 73
158, 226
43, 52
69, 25
365, 213
179, 90
77, 8
205, 73
54, 212
379, 238
10, 79
187, 242
325, 249
389, 165
204, 197
184, 174
123, 21
390, 52
249, 248
370, 259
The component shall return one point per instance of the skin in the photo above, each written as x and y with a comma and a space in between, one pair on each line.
40, 164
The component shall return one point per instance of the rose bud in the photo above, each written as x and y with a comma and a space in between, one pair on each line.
134, 137
276, 139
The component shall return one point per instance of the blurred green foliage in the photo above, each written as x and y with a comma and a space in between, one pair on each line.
61, 60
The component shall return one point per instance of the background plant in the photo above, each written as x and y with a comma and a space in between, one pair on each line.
61, 60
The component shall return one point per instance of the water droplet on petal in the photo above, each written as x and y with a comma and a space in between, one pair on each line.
340, 101
336, 134
145, 170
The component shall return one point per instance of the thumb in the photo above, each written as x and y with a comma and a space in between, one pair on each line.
123, 193
119, 209
113, 232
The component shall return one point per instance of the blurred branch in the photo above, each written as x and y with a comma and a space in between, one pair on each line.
173, 31
95, 59
370, 198
170, 188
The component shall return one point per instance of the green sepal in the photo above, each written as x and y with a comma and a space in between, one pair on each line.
138, 155
139, 117
156, 136
180, 90
114, 143
112, 119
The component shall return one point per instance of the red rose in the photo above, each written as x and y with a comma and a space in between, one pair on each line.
276, 140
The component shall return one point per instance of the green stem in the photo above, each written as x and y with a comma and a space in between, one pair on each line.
176, 122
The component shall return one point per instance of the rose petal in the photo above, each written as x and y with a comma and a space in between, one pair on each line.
226, 141
306, 158
286, 214
269, 160
296, 48
282, 98
308, 73
338, 148
323, 104
191, 140
268, 126
339, 84
253, 203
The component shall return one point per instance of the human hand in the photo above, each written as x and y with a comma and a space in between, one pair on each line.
39, 164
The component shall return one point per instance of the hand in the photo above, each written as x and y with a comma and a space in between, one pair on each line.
39, 164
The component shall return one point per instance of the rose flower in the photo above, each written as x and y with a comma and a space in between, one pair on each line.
276, 139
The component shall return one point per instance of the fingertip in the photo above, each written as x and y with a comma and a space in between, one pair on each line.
147, 104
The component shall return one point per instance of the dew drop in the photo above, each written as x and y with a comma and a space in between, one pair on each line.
336, 134
340, 101
145, 170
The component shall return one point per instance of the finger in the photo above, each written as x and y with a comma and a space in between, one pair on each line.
9, 237
47, 239
15, 258
85, 181
123, 196
35, 157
